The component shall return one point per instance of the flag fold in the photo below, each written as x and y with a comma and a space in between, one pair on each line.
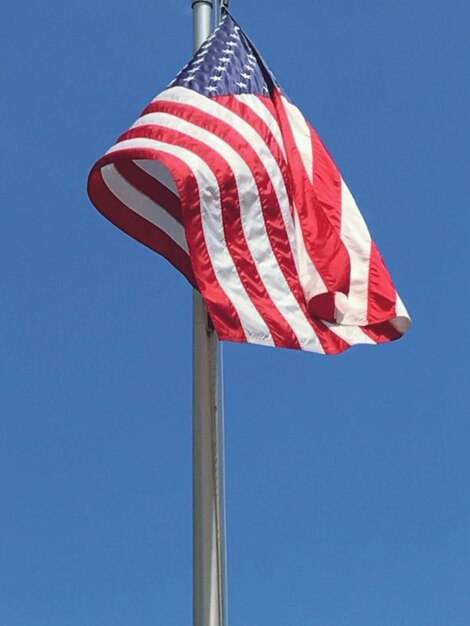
223, 176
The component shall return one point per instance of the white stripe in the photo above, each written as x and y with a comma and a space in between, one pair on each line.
160, 172
402, 321
261, 110
310, 279
352, 309
143, 205
253, 225
255, 329
350, 334
302, 136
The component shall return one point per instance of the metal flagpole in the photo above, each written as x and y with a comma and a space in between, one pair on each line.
209, 561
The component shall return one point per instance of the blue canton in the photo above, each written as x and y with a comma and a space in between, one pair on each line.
226, 64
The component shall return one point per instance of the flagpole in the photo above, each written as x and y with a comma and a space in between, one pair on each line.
209, 551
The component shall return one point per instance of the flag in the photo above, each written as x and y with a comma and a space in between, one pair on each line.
223, 176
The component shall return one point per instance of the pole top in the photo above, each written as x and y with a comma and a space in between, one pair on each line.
209, 2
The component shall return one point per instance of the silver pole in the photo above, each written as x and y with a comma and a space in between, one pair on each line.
209, 561
202, 21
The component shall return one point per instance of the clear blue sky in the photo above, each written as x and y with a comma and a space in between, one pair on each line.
347, 477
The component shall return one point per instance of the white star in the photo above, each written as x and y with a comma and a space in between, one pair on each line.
221, 68
215, 78
228, 51
225, 59
242, 84
188, 79
245, 75
211, 88
232, 44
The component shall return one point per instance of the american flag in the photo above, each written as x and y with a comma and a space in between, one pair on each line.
224, 177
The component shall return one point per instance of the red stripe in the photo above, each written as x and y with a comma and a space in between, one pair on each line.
261, 127
331, 343
151, 187
326, 181
382, 332
266, 100
382, 293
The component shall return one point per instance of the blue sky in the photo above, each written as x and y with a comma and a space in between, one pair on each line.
347, 477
